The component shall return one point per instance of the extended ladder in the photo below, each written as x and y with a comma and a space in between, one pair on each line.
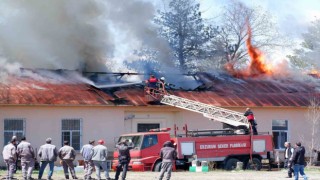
233, 118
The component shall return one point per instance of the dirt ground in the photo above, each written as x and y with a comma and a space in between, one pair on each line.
313, 174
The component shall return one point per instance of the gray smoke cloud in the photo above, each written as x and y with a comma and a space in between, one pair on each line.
75, 34
66, 34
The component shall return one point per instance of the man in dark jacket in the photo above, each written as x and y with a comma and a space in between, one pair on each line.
298, 160
123, 157
251, 120
168, 154
287, 155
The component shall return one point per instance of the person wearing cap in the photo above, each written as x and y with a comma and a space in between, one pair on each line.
168, 154
297, 159
251, 120
88, 163
48, 154
10, 156
123, 158
99, 155
67, 154
26, 153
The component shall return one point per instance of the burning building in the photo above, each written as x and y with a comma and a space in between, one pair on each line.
52, 104
64, 105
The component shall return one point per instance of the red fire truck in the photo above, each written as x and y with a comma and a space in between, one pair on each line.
219, 146
224, 147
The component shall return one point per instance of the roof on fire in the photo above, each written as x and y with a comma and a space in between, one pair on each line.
218, 91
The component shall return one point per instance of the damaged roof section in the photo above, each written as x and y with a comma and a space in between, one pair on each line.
226, 91
70, 88
35, 89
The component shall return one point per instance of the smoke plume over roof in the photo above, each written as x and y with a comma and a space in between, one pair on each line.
74, 34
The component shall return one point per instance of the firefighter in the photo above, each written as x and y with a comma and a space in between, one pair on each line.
10, 157
67, 154
123, 157
99, 155
251, 119
26, 153
87, 157
152, 83
168, 154
287, 155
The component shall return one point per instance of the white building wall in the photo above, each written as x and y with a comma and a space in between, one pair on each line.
109, 123
41, 122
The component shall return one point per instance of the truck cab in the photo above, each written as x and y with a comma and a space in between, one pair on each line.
146, 152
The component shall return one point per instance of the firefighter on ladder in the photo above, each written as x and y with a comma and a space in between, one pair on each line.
250, 117
152, 83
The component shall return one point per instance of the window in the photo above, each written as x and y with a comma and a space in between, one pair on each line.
145, 127
136, 140
13, 127
71, 131
280, 133
149, 140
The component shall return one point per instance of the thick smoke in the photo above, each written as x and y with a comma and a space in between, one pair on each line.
68, 34
75, 34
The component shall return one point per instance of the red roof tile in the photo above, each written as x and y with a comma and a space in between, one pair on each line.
27, 91
226, 93
240, 92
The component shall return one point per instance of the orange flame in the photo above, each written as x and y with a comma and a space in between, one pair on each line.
257, 65
314, 73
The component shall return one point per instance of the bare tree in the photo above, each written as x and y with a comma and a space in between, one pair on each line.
233, 32
313, 118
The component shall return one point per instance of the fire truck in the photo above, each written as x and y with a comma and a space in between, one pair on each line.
224, 147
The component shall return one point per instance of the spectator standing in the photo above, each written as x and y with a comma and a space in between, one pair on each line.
297, 160
87, 157
26, 153
10, 156
99, 157
168, 154
48, 154
123, 158
287, 155
67, 154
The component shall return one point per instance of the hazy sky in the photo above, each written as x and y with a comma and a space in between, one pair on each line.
292, 16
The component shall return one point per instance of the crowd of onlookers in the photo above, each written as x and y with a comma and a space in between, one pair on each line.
94, 156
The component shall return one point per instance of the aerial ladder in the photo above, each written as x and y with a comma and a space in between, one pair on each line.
215, 113
233, 118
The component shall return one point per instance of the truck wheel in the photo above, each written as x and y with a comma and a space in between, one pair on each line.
255, 165
231, 164
157, 167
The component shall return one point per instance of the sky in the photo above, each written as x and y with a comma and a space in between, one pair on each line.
292, 16
74, 34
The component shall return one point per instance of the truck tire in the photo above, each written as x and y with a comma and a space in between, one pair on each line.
157, 167
231, 164
255, 165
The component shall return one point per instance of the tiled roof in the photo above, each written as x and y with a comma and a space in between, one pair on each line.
219, 91
27, 91
239, 92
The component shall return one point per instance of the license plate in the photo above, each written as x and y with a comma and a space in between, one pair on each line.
265, 161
